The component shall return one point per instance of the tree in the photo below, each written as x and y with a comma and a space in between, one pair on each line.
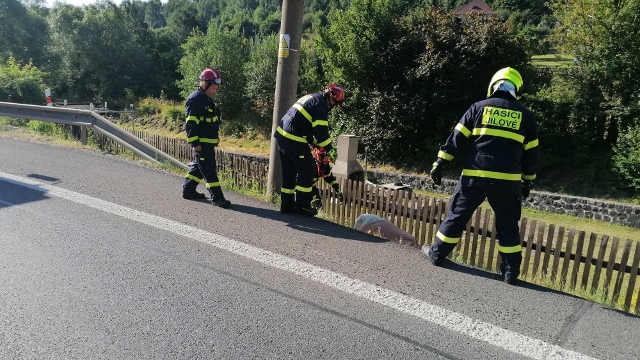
602, 35
100, 53
21, 83
409, 78
153, 14
226, 51
260, 72
626, 159
23, 33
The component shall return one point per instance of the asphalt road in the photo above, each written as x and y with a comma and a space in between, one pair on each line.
101, 258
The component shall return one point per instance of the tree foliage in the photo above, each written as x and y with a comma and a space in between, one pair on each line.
99, 60
409, 78
603, 37
260, 72
21, 83
23, 33
226, 51
410, 68
626, 158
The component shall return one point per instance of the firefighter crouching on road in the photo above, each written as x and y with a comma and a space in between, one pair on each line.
322, 160
203, 123
498, 140
306, 119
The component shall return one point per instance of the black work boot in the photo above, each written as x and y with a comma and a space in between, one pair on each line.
217, 197
433, 258
510, 278
221, 202
303, 205
193, 196
510, 267
305, 210
287, 203
189, 191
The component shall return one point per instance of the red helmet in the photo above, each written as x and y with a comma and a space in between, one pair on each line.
211, 76
336, 91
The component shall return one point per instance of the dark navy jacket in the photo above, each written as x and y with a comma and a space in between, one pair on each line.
203, 119
498, 139
306, 119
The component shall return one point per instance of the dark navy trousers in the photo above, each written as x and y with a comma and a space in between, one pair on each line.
505, 200
203, 168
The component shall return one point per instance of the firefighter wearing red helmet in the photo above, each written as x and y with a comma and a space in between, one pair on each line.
498, 140
203, 123
304, 124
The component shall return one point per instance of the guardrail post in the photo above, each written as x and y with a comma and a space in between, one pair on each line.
347, 165
83, 135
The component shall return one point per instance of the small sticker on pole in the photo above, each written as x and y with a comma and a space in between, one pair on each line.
283, 46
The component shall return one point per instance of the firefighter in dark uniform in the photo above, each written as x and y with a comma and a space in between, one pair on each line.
203, 122
323, 172
498, 140
306, 119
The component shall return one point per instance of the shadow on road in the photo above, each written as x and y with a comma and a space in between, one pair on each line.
312, 225
50, 179
623, 313
467, 269
12, 194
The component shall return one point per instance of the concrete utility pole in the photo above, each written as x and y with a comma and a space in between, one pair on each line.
286, 81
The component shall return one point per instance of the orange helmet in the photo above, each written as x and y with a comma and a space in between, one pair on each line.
211, 76
336, 92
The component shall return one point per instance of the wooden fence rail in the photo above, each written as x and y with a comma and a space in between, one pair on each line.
567, 258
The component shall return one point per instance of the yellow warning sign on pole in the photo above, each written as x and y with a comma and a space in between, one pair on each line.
283, 46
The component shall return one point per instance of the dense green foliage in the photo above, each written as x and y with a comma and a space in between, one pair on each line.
21, 83
407, 73
410, 67
626, 159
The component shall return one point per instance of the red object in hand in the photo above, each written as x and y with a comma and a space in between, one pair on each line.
320, 155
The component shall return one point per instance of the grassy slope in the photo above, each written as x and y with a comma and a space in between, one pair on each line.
551, 60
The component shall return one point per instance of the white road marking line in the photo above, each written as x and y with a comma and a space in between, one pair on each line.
480, 330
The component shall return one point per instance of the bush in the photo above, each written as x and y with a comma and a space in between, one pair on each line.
43, 127
14, 121
148, 106
626, 158
173, 115
409, 79
21, 83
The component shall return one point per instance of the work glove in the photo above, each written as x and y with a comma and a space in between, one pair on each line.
333, 154
316, 203
526, 188
436, 173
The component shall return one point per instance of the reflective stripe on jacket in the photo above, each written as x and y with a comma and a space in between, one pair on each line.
202, 119
306, 122
498, 138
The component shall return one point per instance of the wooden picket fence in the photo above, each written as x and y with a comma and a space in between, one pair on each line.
567, 258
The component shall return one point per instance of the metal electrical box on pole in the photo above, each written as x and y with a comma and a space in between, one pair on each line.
286, 81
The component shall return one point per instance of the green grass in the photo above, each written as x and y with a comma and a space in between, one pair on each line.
551, 60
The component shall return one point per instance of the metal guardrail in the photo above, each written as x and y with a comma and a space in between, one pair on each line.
90, 119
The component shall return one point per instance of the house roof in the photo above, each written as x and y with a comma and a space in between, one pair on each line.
474, 6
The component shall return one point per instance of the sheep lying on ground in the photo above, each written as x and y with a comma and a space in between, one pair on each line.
375, 225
